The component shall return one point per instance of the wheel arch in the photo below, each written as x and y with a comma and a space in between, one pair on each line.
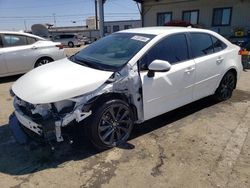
234, 71
42, 57
100, 99
231, 69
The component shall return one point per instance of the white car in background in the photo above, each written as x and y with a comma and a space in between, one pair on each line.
70, 40
125, 78
21, 52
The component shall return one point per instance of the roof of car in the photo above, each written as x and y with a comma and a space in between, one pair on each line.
160, 30
21, 33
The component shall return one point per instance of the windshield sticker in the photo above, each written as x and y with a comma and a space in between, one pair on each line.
140, 38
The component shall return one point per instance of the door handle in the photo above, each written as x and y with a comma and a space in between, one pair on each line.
189, 70
34, 48
219, 60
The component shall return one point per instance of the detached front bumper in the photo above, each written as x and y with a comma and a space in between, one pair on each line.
41, 129
24, 129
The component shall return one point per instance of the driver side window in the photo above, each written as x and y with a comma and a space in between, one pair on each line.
173, 49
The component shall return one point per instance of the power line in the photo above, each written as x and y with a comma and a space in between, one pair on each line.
70, 15
39, 6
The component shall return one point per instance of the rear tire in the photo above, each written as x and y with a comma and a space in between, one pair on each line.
226, 87
111, 124
71, 44
43, 61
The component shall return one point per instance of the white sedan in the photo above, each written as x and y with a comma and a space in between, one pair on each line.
21, 52
125, 78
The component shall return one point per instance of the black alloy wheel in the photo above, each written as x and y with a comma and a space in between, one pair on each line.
226, 87
111, 125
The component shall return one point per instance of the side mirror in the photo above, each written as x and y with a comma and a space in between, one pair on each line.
158, 66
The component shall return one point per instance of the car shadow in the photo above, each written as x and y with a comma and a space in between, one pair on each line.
16, 159
9, 78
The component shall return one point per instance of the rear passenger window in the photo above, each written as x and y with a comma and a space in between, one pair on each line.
31, 40
201, 44
57, 37
14, 40
172, 49
218, 44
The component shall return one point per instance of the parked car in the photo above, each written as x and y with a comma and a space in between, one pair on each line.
245, 53
21, 52
127, 77
179, 23
240, 41
69, 40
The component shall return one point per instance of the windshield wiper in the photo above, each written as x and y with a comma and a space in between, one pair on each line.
80, 61
91, 62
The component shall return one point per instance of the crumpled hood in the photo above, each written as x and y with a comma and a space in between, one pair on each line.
58, 81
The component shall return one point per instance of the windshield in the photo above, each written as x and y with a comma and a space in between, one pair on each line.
112, 52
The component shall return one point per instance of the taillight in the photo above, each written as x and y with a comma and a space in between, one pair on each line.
60, 46
244, 52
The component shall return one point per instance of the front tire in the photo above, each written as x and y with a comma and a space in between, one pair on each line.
226, 87
111, 124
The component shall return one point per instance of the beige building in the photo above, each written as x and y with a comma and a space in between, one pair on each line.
91, 22
222, 16
113, 26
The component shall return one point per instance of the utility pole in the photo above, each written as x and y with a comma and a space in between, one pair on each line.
96, 16
54, 16
101, 17
25, 25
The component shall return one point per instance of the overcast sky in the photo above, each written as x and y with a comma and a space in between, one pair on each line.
18, 14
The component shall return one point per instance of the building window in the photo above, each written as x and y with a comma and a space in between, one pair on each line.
191, 16
163, 18
222, 16
116, 28
107, 29
127, 26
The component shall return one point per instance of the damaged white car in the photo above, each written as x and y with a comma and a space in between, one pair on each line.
125, 78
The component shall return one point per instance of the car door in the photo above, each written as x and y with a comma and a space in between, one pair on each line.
167, 90
3, 68
209, 63
19, 55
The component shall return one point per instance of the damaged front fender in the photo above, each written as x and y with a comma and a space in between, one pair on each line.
44, 119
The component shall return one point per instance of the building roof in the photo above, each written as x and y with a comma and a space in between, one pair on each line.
20, 33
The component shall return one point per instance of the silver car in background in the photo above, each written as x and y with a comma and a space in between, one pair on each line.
70, 40
21, 52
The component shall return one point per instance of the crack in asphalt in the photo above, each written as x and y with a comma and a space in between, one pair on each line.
233, 166
156, 170
229, 155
